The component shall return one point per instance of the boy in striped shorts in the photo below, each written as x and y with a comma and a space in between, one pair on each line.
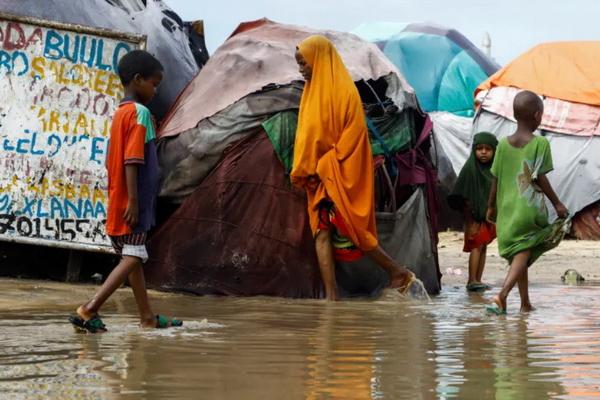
132, 167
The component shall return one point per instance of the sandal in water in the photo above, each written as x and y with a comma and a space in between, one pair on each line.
163, 322
495, 309
476, 287
92, 325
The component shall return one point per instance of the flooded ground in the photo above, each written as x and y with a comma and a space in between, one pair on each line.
266, 348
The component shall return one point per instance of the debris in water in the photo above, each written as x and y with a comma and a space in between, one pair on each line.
571, 276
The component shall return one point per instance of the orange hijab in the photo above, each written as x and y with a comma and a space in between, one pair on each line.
332, 143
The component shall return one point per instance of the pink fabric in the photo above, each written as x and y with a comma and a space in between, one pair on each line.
260, 53
559, 115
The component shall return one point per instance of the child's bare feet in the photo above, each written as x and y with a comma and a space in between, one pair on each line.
498, 306
527, 308
500, 302
87, 321
84, 313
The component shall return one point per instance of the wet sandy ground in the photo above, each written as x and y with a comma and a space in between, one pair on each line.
583, 256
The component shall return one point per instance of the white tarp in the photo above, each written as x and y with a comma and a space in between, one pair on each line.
452, 135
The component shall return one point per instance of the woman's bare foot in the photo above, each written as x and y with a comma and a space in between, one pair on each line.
332, 297
401, 280
331, 292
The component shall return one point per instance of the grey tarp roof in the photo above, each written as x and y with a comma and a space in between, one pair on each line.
187, 158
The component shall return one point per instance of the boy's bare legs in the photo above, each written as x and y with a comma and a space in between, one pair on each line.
400, 277
137, 282
112, 283
524, 292
481, 266
474, 265
326, 263
517, 267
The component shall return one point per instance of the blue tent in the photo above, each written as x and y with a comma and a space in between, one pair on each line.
442, 65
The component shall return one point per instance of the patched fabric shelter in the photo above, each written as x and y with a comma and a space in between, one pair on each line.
444, 68
239, 228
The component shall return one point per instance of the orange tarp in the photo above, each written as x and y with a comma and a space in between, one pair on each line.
564, 70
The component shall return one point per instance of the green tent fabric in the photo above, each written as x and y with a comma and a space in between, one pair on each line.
395, 130
281, 130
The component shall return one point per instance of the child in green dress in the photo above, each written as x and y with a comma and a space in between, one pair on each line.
517, 200
470, 196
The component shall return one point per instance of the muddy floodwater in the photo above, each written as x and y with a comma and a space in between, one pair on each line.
266, 348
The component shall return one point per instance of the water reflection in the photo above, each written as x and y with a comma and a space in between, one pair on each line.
264, 348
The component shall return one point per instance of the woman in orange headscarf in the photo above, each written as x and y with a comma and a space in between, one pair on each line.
334, 164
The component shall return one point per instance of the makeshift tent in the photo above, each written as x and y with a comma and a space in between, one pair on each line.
178, 45
444, 68
442, 65
224, 149
566, 75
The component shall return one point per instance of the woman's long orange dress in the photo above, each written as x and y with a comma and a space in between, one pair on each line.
332, 143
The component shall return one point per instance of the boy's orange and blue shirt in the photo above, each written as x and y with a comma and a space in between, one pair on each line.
132, 141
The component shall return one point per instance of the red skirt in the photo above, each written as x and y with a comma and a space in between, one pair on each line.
479, 234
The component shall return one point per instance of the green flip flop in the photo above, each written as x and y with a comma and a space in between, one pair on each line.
163, 322
476, 287
494, 309
92, 325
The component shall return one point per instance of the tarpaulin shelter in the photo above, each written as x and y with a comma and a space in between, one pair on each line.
224, 149
567, 76
442, 65
444, 68
177, 44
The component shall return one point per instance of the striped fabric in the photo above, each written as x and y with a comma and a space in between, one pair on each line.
343, 248
133, 245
